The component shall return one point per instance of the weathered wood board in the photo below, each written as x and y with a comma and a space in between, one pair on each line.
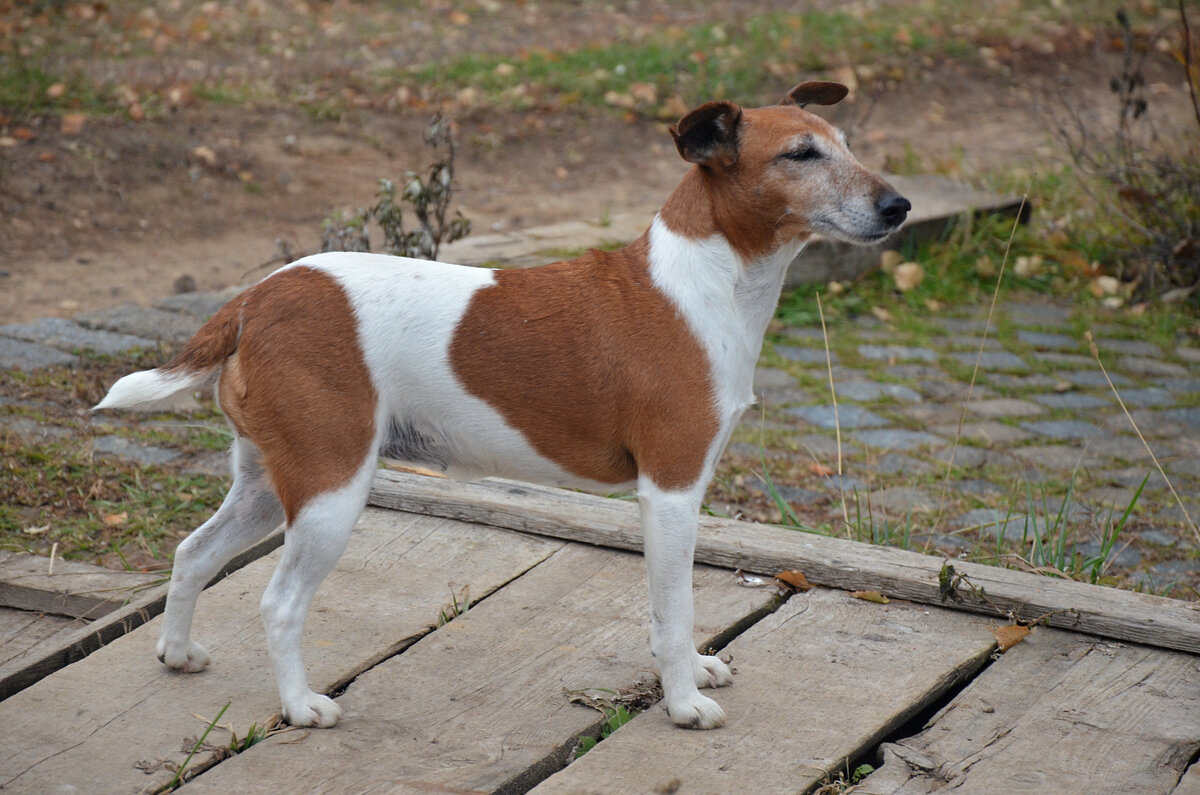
67, 587
22, 630
63, 648
480, 706
1190, 783
822, 680
94, 720
835, 562
1057, 713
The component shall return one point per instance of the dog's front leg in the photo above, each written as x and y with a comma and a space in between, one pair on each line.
669, 523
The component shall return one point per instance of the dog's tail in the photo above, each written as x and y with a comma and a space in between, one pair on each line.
198, 362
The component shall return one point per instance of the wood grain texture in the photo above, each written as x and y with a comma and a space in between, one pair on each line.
822, 680
1190, 783
1057, 713
1107, 612
94, 720
480, 706
62, 649
69, 588
21, 631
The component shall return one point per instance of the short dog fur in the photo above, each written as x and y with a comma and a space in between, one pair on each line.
613, 370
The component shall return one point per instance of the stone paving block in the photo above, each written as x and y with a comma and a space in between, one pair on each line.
1131, 347
898, 463
925, 413
900, 501
1000, 408
1160, 537
846, 485
1045, 340
1179, 386
1062, 430
896, 353
968, 457
772, 378
1058, 457
1173, 514
1094, 378
30, 356
977, 487
805, 355
824, 448
1075, 401
1039, 315
913, 372
963, 325
974, 343
1147, 368
1064, 359
198, 305
154, 324
1123, 447
1147, 397
986, 432
1189, 416
953, 391
864, 391
846, 416
896, 439
1150, 422
994, 522
1122, 556
1188, 354
61, 333
1177, 568
944, 542
804, 332
146, 455
32, 429
1132, 476
792, 494
1032, 381
992, 360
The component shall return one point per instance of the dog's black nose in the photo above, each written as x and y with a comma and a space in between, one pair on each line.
893, 208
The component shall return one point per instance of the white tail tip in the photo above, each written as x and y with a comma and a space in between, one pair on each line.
147, 386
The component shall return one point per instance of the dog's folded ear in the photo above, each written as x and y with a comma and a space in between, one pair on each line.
816, 92
708, 136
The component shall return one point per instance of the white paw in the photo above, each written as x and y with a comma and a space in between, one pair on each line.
190, 658
711, 672
696, 712
312, 710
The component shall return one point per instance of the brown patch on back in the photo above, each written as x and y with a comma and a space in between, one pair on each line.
592, 364
215, 340
298, 385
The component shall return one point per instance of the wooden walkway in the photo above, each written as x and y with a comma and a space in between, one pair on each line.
824, 681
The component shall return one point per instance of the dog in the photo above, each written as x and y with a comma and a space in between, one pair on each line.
618, 369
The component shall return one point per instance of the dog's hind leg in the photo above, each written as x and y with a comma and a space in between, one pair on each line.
250, 511
313, 542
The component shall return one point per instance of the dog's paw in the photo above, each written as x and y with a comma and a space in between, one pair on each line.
696, 712
190, 658
712, 672
314, 710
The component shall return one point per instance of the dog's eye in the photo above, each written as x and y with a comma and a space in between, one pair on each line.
804, 153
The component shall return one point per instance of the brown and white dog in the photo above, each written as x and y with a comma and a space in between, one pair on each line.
617, 369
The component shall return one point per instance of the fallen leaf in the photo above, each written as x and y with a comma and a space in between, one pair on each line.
55, 91
795, 580
114, 519
820, 470
1009, 636
23, 134
985, 267
205, 155
870, 596
72, 123
1027, 267
881, 314
34, 531
934, 305
1104, 285
908, 275
889, 259
46, 156
1063, 386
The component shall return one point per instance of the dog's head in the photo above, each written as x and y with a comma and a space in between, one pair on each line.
779, 173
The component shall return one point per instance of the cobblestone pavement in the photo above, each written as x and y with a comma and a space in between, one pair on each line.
1043, 445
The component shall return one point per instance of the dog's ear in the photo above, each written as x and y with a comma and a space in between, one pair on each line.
816, 92
708, 136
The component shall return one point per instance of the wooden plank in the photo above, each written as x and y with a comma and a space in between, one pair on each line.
95, 720
481, 706
21, 630
68, 588
821, 681
1057, 713
1190, 783
62, 649
850, 565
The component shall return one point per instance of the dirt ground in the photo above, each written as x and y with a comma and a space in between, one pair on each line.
124, 209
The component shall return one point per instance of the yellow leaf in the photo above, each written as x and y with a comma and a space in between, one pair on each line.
794, 579
114, 519
870, 596
1009, 636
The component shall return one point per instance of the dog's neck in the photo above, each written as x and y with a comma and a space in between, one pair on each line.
726, 297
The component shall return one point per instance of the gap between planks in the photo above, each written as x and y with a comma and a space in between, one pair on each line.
835, 562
